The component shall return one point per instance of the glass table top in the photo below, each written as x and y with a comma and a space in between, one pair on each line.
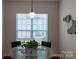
30, 53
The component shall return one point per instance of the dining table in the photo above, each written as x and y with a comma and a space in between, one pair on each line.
31, 53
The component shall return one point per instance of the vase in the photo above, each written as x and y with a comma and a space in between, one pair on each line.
31, 51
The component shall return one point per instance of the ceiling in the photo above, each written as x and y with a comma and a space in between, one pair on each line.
33, 0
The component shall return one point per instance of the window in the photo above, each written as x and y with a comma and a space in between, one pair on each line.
28, 29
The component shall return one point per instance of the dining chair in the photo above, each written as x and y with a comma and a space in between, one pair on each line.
15, 44
14, 48
7, 57
55, 57
46, 44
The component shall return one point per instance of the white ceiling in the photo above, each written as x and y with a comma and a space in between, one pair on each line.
33, 0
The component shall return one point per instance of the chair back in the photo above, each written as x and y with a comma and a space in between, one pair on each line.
47, 44
15, 44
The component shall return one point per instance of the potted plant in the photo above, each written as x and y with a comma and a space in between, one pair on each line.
30, 47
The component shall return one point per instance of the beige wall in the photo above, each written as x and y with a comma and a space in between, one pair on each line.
67, 41
3, 27
21, 7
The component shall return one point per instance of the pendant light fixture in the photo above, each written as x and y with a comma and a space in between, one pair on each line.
32, 14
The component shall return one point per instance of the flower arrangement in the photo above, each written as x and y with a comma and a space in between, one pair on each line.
30, 44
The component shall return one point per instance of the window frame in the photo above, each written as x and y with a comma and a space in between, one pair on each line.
31, 31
